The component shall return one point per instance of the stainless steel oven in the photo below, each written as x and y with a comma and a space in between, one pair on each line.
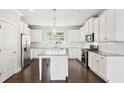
84, 57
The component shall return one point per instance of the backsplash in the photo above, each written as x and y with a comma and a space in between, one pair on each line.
112, 47
43, 44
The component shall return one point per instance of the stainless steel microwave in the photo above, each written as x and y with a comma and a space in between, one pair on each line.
89, 37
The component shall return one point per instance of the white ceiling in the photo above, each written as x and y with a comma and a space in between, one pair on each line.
64, 17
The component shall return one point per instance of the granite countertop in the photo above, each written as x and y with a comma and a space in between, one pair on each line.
54, 53
106, 53
57, 47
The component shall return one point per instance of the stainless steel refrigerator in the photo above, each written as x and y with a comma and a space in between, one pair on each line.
25, 50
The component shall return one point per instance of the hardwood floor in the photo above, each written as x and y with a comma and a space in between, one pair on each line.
77, 74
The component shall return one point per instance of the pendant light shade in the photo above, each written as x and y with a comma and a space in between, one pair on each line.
54, 25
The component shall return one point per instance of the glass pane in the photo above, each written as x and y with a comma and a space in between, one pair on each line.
60, 33
49, 34
58, 37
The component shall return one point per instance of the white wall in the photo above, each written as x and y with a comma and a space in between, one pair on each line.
11, 16
67, 34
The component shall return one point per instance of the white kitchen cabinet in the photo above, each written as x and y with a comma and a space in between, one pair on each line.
115, 69
111, 25
90, 60
96, 30
79, 54
96, 63
82, 29
103, 34
93, 62
74, 36
91, 25
109, 68
102, 66
36, 35
72, 53
34, 53
58, 67
86, 28
120, 25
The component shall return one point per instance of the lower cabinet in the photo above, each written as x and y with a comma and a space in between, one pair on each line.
96, 63
74, 53
90, 60
102, 66
109, 68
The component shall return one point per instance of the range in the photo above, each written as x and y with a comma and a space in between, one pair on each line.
84, 56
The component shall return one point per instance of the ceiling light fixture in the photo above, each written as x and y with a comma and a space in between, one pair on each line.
54, 25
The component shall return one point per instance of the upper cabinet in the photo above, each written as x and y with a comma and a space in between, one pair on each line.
102, 27
82, 34
107, 25
88, 28
91, 25
74, 36
111, 25
36, 35
120, 25
96, 30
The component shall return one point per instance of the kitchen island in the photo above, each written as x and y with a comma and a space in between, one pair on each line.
58, 63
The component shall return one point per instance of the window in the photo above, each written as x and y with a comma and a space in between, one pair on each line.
52, 38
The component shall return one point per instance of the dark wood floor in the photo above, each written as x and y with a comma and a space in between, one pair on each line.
77, 74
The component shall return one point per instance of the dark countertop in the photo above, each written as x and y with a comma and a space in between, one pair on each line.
105, 53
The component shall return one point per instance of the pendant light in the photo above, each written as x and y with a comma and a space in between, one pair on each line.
54, 25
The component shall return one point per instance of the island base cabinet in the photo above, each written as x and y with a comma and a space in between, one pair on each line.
58, 68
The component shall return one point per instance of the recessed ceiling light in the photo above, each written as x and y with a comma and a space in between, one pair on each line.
31, 10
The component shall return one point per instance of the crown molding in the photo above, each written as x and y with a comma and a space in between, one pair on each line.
51, 27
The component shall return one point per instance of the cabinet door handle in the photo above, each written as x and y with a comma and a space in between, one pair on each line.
0, 26
0, 73
0, 50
